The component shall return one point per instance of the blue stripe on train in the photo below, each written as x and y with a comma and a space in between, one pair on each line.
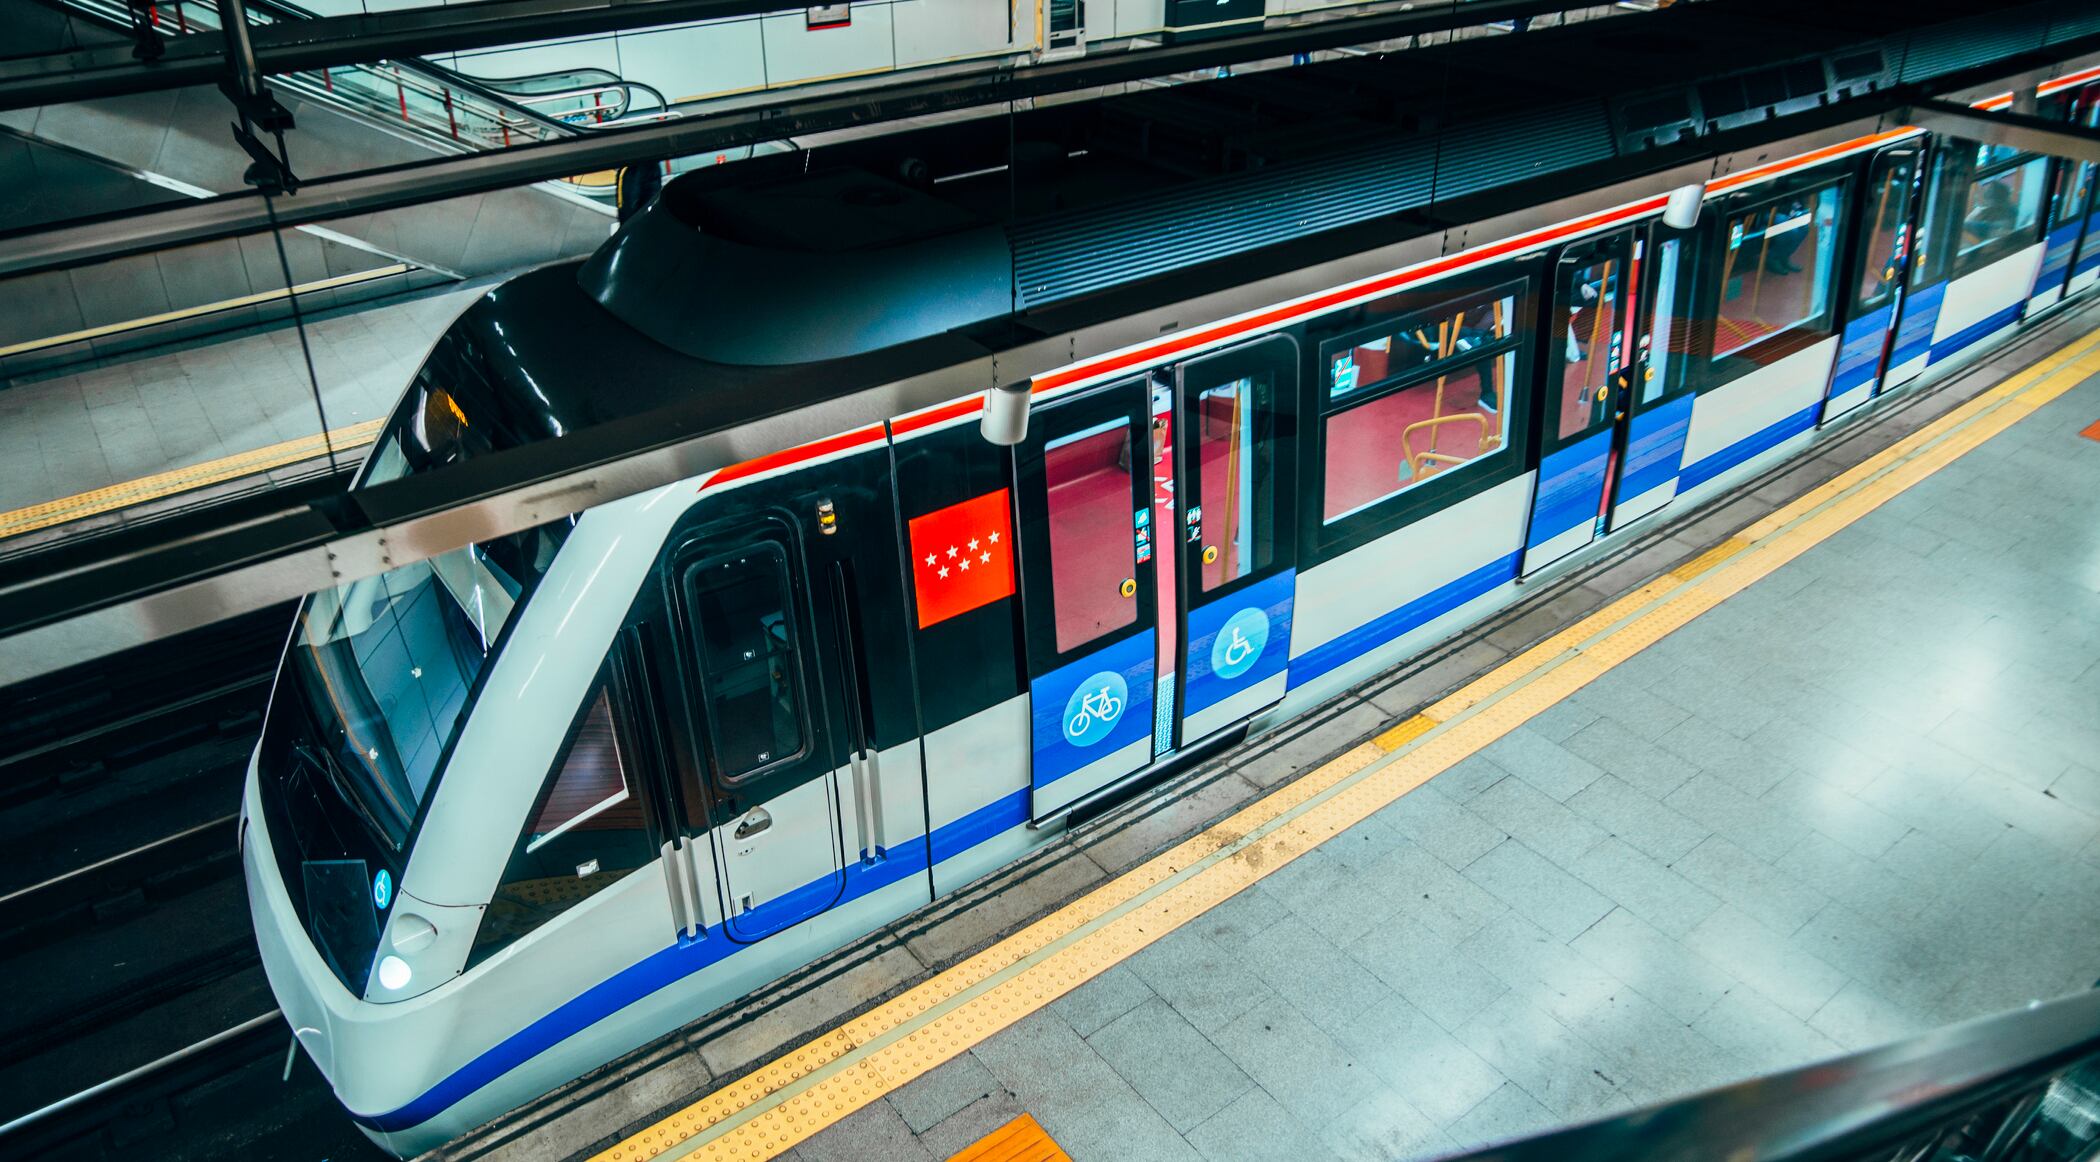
1698, 473
658, 971
1379, 630
1955, 343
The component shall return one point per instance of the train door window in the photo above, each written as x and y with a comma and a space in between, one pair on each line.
1776, 274
2006, 192
1589, 334
585, 831
1234, 449
1087, 476
1420, 396
1670, 333
743, 624
1887, 221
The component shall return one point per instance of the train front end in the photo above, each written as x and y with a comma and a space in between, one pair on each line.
377, 683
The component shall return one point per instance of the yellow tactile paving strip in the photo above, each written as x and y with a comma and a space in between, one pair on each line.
166, 484
822, 1081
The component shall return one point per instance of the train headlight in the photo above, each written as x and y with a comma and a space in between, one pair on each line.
393, 973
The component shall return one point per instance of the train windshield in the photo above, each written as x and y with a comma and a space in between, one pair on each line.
384, 667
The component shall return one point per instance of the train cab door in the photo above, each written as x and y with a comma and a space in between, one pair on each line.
786, 786
764, 789
1588, 366
1084, 494
1869, 337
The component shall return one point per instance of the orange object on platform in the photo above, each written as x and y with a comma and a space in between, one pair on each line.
1020, 1140
2092, 432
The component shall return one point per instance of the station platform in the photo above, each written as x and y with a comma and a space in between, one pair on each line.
1806, 773
96, 446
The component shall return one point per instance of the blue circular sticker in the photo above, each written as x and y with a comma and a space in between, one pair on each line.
1092, 710
382, 888
1239, 643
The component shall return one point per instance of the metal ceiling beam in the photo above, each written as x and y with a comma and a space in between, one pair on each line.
2015, 130
99, 603
200, 58
767, 118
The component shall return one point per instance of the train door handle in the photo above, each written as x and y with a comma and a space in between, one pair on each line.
754, 821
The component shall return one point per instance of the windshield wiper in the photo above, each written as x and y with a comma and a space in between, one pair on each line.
343, 790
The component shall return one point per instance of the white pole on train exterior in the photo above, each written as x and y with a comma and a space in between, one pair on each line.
1005, 418
1682, 210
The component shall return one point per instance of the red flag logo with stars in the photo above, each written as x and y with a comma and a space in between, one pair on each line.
962, 556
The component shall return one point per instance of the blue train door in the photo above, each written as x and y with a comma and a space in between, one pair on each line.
1878, 279
1158, 567
1233, 548
2085, 266
1654, 408
1589, 355
2069, 196
1084, 495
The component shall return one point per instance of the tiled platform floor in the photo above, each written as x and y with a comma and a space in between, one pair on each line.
134, 417
1856, 801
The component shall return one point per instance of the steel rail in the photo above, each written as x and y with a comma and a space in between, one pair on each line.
130, 1076
767, 117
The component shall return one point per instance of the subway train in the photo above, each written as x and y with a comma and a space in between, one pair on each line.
527, 805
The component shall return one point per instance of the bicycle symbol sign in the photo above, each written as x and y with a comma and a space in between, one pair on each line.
1239, 643
1092, 710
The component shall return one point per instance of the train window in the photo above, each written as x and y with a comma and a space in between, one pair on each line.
2005, 197
1384, 446
585, 832
385, 665
1400, 349
1235, 437
750, 670
1087, 478
1776, 274
1669, 332
1888, 189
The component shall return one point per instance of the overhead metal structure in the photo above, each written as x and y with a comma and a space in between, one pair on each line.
2021, 131
162, 578
199, 58
770, 118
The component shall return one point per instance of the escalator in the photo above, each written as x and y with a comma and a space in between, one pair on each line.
448, 111
2022, 1086
129, 151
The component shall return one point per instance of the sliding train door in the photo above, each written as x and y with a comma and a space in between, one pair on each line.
1158, 564
1878, 279
1089, 551
1234, 548
1589, 355
1654, 411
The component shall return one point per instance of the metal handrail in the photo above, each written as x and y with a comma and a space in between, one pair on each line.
451, 110
1982, 1081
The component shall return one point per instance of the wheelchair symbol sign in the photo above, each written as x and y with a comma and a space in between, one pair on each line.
1092, 710
382, 889
1239, 643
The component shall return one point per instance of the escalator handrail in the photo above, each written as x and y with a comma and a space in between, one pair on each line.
504, 110
1845, 1107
